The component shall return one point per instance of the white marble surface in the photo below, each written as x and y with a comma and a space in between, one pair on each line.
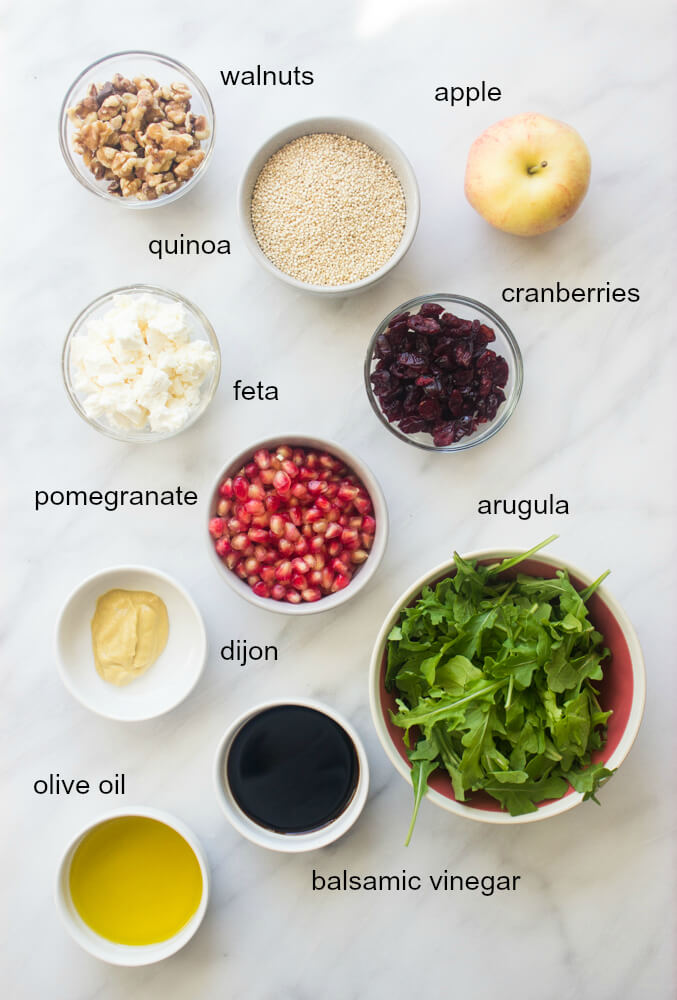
594, 917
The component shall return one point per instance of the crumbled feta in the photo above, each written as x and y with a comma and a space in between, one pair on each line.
136, 366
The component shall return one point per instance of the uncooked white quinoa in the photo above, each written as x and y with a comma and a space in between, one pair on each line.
328, 210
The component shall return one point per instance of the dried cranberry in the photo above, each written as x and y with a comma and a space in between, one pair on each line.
499, 371
413, 425
429, 409
485, 359
487, 333
424, 324
383, 347
415, 362
485, 385
455, 403
401, 317
463, 353
445, 435
463, 376
430, 309
448, 319
423, 380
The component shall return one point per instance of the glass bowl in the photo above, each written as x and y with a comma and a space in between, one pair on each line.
131, 64
504, 345
201, 329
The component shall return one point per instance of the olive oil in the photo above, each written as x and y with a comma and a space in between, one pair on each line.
292, 769
135, 880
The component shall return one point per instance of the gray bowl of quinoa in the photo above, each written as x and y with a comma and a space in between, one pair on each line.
329, 205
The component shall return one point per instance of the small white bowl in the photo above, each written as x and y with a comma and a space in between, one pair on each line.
290, 843
166, 683
110, 951
368, 568
354, 129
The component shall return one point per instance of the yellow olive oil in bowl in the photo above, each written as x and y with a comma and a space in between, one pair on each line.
135, 880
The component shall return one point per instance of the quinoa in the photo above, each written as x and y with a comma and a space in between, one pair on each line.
328, 210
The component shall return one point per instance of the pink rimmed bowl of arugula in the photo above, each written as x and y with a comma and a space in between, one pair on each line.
506, 686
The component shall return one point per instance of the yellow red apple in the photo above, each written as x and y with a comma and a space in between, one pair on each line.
528, 174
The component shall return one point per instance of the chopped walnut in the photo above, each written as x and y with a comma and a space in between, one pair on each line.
139, 137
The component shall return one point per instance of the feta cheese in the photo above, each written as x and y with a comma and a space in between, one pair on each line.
137, 367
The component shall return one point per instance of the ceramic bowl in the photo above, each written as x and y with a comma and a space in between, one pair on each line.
166, 683
354, 129
200, 329
131, 64
290, 843
504, 345
363, 574
110, 951
622, 689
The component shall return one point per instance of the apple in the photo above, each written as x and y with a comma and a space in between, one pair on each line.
528, 174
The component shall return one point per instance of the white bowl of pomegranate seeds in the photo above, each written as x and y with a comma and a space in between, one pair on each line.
297, 525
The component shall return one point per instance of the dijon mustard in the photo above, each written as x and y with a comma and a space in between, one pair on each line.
129, 632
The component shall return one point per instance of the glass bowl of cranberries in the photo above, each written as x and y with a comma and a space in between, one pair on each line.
297, 524
443, 372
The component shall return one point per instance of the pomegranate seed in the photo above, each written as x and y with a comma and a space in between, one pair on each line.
262, 458
339, 566
248, 550
301, 547
291, 469
298, 457
296, 516
307, 530
239, 542
300, 565
264, 554
320, 561
222, 547
251, 565
226, 488
327, 579
268, 574
240, 488
282, 482
251, 470
255, 507
312, 514
327, 462
333, 531
261, 521
273, 503
261, 590
332, 490
319, 527
323, 504
368, 525
347, 493
340, 581
217, 527
311, 460
241, 571
367, 540
311, 594
362, 504
258, 535
232, 559
284, 451
316, 486
299, 491
309, 561
293, 597
286, 547
256, 492
299, 581
343, 520
223, 508
317, 543
315, 578
276, 526
283, 571
334, 548
359, 556
243, 514
278, 592
267, 477
350, 539
291, 532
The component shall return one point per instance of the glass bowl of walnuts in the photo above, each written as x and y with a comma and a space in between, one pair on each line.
137, 128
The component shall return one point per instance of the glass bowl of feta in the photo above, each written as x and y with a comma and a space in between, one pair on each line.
141, 364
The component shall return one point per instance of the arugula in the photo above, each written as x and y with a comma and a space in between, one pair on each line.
493, 682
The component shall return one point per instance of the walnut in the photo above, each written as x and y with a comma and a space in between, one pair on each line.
137, 136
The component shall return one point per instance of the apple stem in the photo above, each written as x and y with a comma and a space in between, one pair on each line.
534, 170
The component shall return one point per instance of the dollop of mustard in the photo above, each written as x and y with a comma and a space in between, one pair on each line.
129, 632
